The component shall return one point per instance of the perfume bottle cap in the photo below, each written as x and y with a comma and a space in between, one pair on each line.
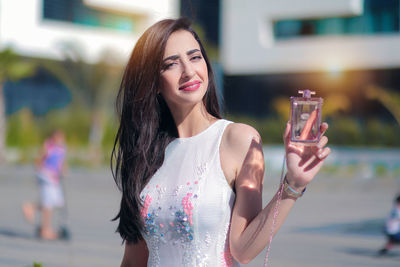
306, 93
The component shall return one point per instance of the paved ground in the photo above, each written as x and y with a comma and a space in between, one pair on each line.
337, 223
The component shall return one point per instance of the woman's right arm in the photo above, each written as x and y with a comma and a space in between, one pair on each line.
135, 255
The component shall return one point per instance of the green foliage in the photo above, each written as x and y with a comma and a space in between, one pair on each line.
335, 103
381, 170
22, 131
74, 121
372, 132
91, 85
390, 99
110, 131
330, 169
343, 130
93, 88
27, 133
37, 264
381, 133
12, 67
270, 128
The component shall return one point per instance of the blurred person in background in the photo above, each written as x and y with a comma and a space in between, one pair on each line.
191, 181
392, 227
50, 168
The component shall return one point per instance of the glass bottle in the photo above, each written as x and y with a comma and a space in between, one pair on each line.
305, 118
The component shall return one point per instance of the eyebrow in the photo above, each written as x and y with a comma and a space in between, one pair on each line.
175, 57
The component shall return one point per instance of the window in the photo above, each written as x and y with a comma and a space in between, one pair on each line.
379, 17
75, 11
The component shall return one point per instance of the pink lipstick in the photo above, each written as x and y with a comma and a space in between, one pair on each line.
190, 86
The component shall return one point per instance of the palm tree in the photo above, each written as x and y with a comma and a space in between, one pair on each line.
91, 85
12, 68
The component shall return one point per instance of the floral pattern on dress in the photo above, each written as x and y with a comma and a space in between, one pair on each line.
175, 224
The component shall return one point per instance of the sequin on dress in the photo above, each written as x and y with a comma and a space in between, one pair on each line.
187, 204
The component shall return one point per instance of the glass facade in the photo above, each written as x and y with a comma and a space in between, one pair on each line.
75, 11
379, 17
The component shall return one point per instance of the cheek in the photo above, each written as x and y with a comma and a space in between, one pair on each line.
167, 83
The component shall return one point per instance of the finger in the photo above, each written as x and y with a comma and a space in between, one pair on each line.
305, 133
324, 126
294, 148
325, 153
322, 142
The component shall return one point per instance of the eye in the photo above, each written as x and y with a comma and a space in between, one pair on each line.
196, 58
169, 65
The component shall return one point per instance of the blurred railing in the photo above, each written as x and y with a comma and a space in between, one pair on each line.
363, 162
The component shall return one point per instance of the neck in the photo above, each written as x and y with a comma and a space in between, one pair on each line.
192, 121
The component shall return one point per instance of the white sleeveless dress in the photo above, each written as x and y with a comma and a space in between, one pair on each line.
188, 203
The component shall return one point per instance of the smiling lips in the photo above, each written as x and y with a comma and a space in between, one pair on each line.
190, 86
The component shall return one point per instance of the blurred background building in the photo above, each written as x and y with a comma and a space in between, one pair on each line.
333, 47
50, 29
263, 51
309, 36
39, 28
75, 51
348, 51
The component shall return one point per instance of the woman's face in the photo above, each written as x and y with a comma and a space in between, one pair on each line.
184, 74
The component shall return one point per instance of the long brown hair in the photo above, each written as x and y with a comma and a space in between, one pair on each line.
146, 124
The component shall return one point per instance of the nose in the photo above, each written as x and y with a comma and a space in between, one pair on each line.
187, 70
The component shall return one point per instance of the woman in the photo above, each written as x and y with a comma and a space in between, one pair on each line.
191, 182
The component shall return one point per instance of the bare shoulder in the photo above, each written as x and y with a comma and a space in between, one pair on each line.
237, 141
239, 136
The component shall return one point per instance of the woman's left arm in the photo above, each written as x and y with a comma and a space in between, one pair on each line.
251, 224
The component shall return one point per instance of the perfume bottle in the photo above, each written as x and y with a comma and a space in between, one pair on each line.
305, 118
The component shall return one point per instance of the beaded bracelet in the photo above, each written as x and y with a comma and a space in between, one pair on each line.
290, 191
